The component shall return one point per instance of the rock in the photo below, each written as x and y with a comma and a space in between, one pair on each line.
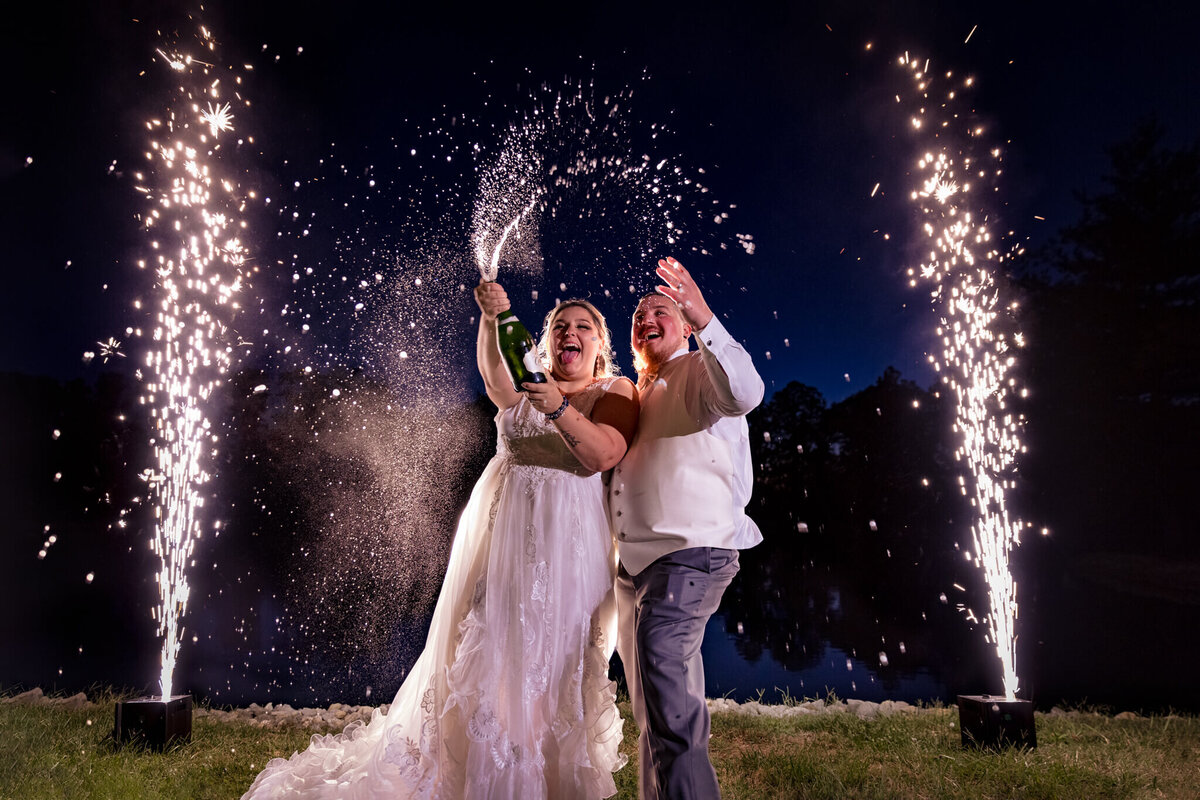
74, 701
778, 712
26, 698
717, 704
865, 709
889, 707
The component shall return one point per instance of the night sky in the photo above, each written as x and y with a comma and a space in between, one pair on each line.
793, 120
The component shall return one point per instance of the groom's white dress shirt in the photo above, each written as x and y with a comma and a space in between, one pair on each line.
687, 477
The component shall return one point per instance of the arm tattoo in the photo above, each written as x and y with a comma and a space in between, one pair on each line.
569, 439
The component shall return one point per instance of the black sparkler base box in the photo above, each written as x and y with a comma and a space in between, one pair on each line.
992, 722
153, 722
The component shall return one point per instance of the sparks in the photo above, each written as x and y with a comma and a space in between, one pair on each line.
961, 264
110, 349
217, 118
196, 278
942, 190
175, 62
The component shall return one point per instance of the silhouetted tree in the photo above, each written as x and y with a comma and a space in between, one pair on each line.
1113, 363
790, 448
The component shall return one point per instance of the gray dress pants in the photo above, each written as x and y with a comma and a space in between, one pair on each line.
662, 613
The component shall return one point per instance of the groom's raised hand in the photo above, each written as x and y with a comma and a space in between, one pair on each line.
682, 288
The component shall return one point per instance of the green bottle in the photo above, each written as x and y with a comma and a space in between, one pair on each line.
517, 351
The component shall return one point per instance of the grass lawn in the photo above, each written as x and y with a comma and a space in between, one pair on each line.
63, 753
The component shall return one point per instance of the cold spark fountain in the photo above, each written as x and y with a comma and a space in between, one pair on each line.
962, 263
199, 263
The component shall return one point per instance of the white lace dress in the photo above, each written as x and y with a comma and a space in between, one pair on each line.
511, 696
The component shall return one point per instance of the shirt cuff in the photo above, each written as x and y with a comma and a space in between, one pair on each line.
713, 336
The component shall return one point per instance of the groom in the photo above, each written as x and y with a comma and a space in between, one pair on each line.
677, 503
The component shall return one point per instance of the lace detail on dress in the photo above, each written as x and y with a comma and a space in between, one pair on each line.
483, 726
598, 637
577, 543
531, 543
430, 741
508, 756
537, 678
495, 506
404, 753
541, 576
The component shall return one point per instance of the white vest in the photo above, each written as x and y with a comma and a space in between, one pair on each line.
687, 477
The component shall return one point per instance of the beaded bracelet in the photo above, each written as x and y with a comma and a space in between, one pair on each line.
561, 410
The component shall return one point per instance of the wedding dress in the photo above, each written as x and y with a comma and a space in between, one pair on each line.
511, 696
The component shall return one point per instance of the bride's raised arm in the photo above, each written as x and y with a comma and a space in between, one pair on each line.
492, 300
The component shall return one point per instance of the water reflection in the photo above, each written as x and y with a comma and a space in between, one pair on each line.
794, 626
729, 674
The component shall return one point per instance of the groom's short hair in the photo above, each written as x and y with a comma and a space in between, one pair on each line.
656, 293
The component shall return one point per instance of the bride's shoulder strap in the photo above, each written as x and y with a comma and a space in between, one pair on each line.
606, 384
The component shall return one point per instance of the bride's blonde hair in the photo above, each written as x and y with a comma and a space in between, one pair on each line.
606, 365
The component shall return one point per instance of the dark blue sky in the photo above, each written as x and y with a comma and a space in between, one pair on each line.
789, 115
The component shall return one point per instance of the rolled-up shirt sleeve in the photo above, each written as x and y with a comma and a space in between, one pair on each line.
733, 387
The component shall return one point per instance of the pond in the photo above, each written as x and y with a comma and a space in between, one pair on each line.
789, 627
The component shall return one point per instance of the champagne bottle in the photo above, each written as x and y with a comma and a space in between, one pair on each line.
517, 351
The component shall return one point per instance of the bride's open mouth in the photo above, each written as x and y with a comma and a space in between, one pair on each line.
568, 354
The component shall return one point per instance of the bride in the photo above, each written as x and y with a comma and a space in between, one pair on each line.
511, 697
